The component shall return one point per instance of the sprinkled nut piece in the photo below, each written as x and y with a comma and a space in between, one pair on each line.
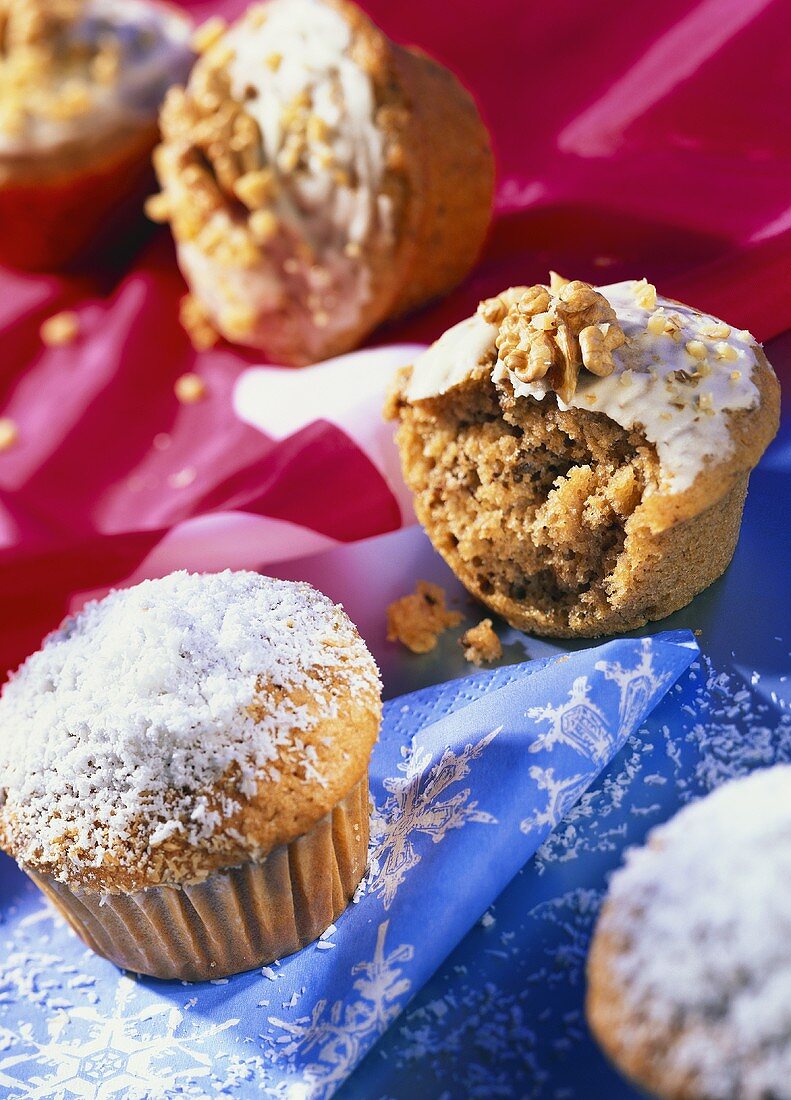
552, 333
208, 34
417, 620
190, 388
61, 329
9, 433
481, 644
196, 323
157, 208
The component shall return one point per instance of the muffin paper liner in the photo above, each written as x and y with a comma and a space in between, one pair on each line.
468, 779
237, 918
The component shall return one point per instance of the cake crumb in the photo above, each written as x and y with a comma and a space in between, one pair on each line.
196, 323
61, 329
189, 388
418, 620
481, 644
9, 433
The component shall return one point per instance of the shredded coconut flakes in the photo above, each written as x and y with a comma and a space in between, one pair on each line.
705, 912
138, 708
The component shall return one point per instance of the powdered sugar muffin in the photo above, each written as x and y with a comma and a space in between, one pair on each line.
318, 178
580, 456
184, 770
690, 967
81, 82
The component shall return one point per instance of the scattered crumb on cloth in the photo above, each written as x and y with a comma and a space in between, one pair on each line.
63, 328
418, 620
481, 644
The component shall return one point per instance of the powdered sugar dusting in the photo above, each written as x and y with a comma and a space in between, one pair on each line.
705, 916
118, 731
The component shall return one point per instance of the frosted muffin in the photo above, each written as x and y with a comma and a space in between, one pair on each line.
184, 771
690, 967
81, 82
318, 179
580, 456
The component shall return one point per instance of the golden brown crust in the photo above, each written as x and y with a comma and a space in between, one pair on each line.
664, 548
311, 775
53, 210
236, 919
438, 176
636, 1048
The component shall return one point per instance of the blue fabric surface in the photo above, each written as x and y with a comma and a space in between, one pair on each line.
468, 780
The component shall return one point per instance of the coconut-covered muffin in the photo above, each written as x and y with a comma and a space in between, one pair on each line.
318, 179
690, 967
81, 82
184, 770
580, 456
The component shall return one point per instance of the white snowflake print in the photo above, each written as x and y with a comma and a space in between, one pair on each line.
637, 685
414, 806
577, 723
561, 794
339, 1035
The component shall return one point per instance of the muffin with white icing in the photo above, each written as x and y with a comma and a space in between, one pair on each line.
580, 456
318, 179
184, 770
690, 966
81, 82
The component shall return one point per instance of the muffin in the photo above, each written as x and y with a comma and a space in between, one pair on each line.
318, 179
81, 82
184, 771
690, 967
580, 456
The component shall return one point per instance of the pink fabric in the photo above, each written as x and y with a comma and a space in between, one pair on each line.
631, 139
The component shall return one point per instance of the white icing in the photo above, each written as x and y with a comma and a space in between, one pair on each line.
311, 42
449, 361
138, 706
148, 66
640, 393
702, 916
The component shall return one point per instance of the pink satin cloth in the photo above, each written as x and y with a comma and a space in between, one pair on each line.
632, 140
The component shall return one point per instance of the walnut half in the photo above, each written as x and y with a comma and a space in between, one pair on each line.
552, 332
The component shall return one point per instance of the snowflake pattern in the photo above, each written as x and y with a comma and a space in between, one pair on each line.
414, 807
72, 1026
334, 1038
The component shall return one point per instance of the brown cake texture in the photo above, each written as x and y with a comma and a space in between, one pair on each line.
558, 517
184, 771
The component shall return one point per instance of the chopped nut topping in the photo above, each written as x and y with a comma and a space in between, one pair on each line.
9, 433
254, 189
716, 331
696, 348
264, 226
726, 351
63, 328
552, 334
417, 620
645, 294
556, 282
197, 324
208, 34
190, 388
157, 208
481, 644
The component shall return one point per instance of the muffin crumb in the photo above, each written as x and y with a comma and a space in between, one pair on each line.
9, 433
418, 620
189, 388
61, 329
480, 643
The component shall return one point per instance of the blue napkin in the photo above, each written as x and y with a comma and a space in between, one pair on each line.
468, 779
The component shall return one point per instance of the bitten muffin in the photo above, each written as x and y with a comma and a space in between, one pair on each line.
81, 82
580, 456
690, 967
184, 771
318, 179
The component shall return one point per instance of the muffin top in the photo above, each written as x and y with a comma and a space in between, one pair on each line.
693, 950
679, 376
73, 70
183, 725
